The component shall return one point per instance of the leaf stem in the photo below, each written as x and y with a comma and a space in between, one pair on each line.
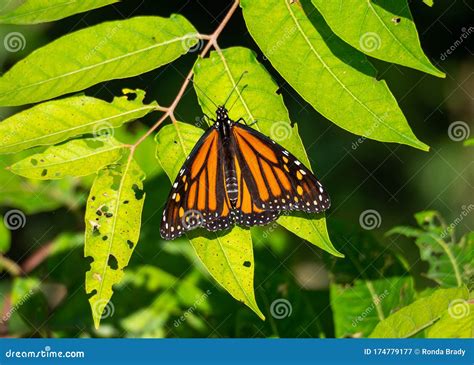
169, 111
451, 257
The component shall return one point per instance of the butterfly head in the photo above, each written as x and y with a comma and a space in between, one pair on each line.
221, 113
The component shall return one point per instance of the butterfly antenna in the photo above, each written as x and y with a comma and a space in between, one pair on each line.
235, 87
243, 88
203, 93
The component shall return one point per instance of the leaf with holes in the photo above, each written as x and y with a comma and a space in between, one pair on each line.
382, 29
111, 50
113, 219
79, 157
371, 302
419, 315
215, 77
39, 11
333, 77
227, 255
56, 121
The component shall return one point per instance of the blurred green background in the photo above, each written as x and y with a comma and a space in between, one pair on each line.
164, 283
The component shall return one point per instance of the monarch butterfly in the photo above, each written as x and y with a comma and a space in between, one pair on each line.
237, 175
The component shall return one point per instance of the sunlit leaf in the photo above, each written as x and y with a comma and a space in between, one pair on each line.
80, 157
4, 237
56, 121
113, 219
455, 323
382, 29
228, 255
215, 77
337, 80
38, 11
419, 315
110, 50
357, 309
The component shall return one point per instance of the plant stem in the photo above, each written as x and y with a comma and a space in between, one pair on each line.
169, 111
451, 257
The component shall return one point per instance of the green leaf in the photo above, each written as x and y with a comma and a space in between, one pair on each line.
215, 77
5, 238
333, 77
39, 11
80, 157
113, 219
469, 142
382, 29
223, 253
370, 302
110, 50
456, 322
429, 2
419, 315
56, 121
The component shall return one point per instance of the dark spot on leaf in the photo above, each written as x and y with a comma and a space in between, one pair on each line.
104, 238
247, 263
396, 20
95, 231
115, 183
112, 262
176, 142
98, 212
130, 244
34, 161
44, 172
105, 208
93, 198
92, 143
126, 202
108, 215
138, 192
41, 160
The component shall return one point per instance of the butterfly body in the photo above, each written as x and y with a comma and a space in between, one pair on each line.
237, 175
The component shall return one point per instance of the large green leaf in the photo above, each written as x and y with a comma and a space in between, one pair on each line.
111, 50
228, 256
80, 157
383, 29
113, 219
215, 78
419, 315
456, 322
38, 11
357, 309
56, 121
5, 238
333, 77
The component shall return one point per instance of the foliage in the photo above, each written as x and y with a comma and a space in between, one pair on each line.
74, 150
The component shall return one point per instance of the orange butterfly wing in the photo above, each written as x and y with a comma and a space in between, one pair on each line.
276, 180
198, 197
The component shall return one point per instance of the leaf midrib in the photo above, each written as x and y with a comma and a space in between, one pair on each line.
340, 82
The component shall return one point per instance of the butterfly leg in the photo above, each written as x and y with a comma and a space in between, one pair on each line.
245, 122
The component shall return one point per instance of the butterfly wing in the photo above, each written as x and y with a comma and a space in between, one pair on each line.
198, 198
276, 180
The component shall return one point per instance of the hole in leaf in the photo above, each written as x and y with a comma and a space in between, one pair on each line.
130, 244
125, 202
138, 192
105, 238
247, 263
112, 262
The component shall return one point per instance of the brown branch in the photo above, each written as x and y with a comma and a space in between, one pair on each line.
169, 111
